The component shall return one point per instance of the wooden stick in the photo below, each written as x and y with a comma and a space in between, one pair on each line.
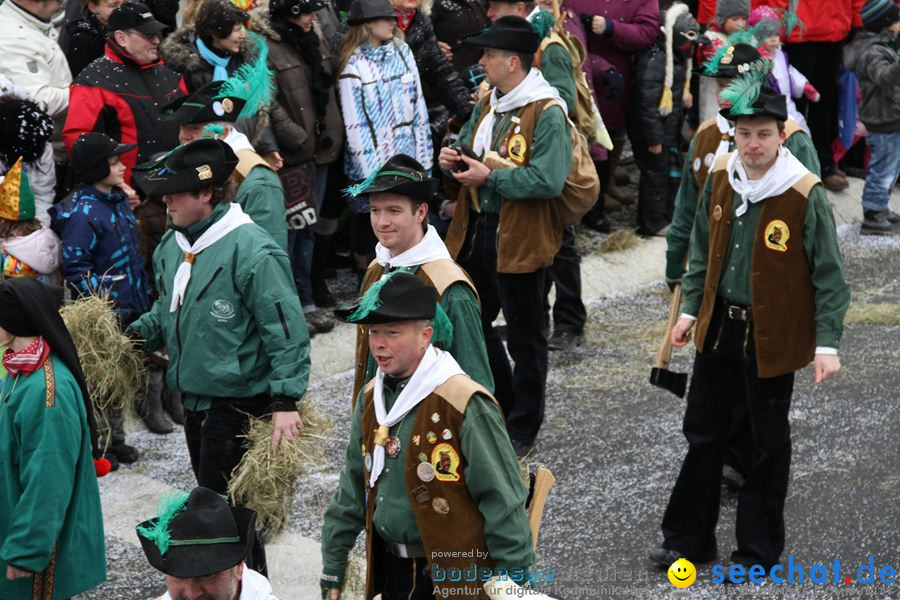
543, 483
664, 356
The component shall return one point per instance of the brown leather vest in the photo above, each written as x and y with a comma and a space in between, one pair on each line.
446, 515
247, 161
529, 233
439, 274
783, 298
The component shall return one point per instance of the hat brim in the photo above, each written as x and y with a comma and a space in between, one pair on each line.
420, 190
182, 111
185, 562
360, 20
159, 180
413, 305
774, 107
150, 27
513, 41
121, 149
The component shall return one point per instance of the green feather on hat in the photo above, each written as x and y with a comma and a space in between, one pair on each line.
170, 506
744, 89
253, 82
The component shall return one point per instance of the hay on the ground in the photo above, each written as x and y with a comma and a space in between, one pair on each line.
264, 480
875, 313
112, 367
619, 240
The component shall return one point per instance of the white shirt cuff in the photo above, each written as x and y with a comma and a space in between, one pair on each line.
826, 350
687, 316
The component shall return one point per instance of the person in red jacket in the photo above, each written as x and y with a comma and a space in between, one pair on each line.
121, 93
815, 50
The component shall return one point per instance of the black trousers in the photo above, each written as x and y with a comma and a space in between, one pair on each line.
656, 190
569, 313
821, 63
725, 368
520, 390
216, 447
739, 452
406, 579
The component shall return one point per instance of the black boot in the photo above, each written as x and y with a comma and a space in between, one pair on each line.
172, 404
152, 413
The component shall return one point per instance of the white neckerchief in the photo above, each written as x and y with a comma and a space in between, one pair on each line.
237, 140
231, 220
435, 368
431, 248
786, 171
533, 88
724, 146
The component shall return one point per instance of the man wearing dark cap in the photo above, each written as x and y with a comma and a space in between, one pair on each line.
120, 93
505, 232
766, 291
715, 138
430, 472
200, 543
51, 526
227, 312
259, 192
398, 196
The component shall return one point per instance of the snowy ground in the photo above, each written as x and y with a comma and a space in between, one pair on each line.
614, 445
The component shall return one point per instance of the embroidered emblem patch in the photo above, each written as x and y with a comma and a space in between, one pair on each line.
517, 148
709, 159
697, 164
776, 235
204, 172
445, 461
222, 310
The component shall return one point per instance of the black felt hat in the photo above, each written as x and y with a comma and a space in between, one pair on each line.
401, 174
399, 296
89, 157
507, 33
362, 11
204, 106
768, 103
197, 165
197, 536
731, 61
289, 8
134, 15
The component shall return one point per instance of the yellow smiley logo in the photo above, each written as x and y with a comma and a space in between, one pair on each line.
682, 573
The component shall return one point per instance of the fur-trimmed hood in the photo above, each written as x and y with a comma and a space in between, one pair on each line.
180, 52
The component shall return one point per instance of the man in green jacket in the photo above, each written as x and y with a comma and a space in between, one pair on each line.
505, 232
714, 138
51, 526
227, 312
398, 196
430, 473
260, 193
766, 290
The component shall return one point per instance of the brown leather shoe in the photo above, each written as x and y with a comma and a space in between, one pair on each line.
835, 182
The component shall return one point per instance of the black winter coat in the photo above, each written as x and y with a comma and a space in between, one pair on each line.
643, 118
441, 83
87, 40
452, 19
180, 53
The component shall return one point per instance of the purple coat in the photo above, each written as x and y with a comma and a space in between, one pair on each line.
634, 27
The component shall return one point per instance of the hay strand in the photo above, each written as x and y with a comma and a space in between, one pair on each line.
264, 480
112, 367
619, 240
874, 313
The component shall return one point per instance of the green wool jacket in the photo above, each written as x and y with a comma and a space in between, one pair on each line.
548, 166
556, 67
467, 347
262, 197
50, 519
492, 476
832, 292
240, 331
688, 199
